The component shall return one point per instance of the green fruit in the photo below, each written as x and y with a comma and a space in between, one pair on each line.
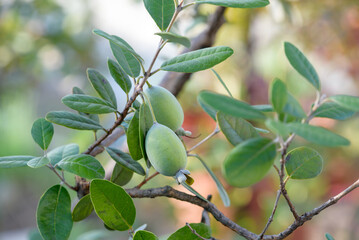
166, 108
165, 150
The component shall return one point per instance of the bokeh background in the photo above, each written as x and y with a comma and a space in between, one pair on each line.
46, 46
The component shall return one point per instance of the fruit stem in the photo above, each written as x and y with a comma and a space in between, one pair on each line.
149, 104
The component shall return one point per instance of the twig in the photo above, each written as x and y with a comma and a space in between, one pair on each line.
146, 180
215, 131
270, 220
205, 217
61, 177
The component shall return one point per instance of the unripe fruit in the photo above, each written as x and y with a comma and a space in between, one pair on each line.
166, 108
165, 150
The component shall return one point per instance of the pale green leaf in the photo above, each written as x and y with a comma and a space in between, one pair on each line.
119, 75
76, 90
208, 109
88, 104
161, 11
133, 137
42, 132
59, 153
333, 110
222, 82
278, 95
349, 102
175, 38
185, 232
38, 162
72, 120
277, 127
293, 107
145, 122
14, 161
125, 160
144, 235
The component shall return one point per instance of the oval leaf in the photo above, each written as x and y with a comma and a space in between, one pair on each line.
102, 86
72, 120
236, 3
94, 117
125, 160
186, 233
144, 235
300, 63
161, 11
175, 38
303, 163
42, 132
208, 109
349, 102
127, 61
83, 209
230, 105
121, 175
112, 204
133, 137
146, 122
293, 107
14, 161
249, 162
278, 95
59, 153
235, 129
119, 75
277, 127
83, 165
88, 104
197, 60
53, 214
317, 135
333, 110
38, 162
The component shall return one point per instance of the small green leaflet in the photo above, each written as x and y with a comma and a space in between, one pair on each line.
175, 38
38, 162
53, 214
14, 161
83, 209
303, 163
161, 11
76, 90
263, 108
278, 95
72, 120
230, 105
333, 110
208, 109
42, 132
144, 235
102, 86
125, 160
197, 60
317, 135
300, 63
277, 127
83, 165
185, 232
349, 102
133, 137
121, 175
88, 104
112, 204
126, 60
236, 3
119, 75
235, 129
293, 107
249, 162
329, 237
59, 153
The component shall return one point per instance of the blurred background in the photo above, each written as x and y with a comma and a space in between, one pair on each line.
46, 46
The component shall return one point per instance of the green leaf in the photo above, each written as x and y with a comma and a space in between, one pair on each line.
197, 60
236, 3
88, 104
222, 82
72, 120
189, 188
119, 75
133, 137
185, 232
14, 161
121, 175
144, 235
102, 86
83, 209
112, 204
230, 105
349, 102
293, 107
38, 162
125, 160
303, 163
83, 165
301, 64
333, 110
42, 132
175, 38
329, 237
278, 95
146, 122
277, 127
128, 62
76, 90
53, 214
263, 108
249, 162
161, 11
59, 153
208, 109
222, 192
235, 129
317, 135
